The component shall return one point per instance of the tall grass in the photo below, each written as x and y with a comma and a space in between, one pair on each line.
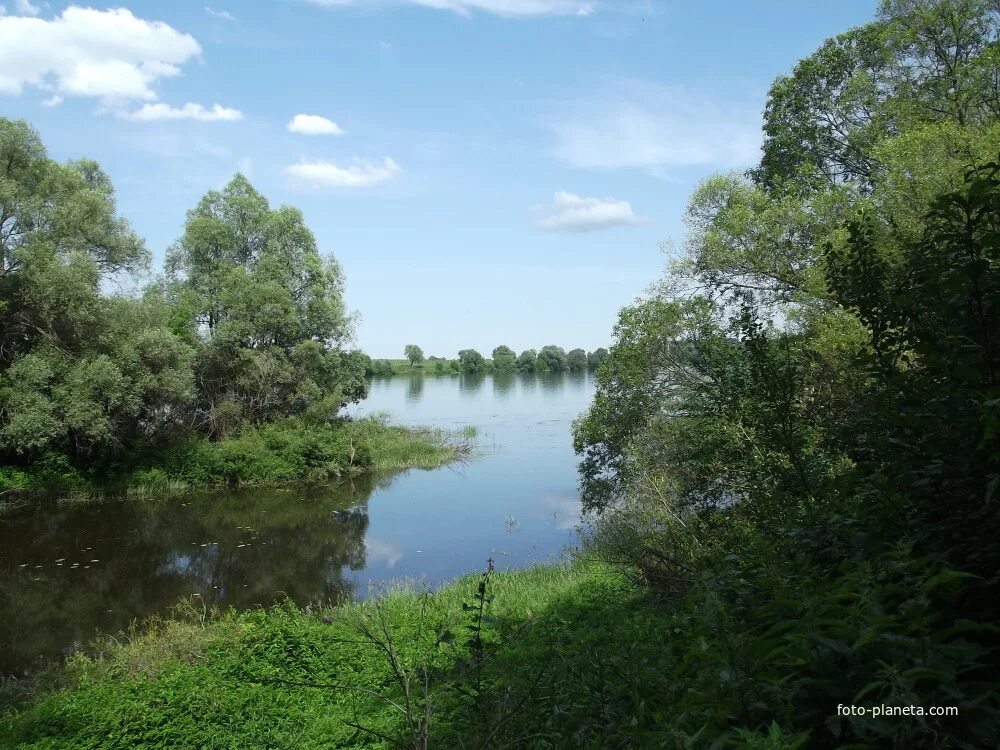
394, 447
283, 677
270, 454
574, 655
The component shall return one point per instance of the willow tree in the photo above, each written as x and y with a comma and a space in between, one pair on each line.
81, 374
504, 359
414, 354
268, 309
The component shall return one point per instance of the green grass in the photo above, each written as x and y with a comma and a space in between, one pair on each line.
427, 367
394, 447
271, 454
221, 682
403, 367
755, 655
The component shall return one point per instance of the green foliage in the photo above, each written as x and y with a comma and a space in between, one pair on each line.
920, 63
526, 360
596, 358
760, 650
551, 359
289, 450
504, 359
471, 362
930, 415
414, 354
576, 360
15, 479
271, 307
818, 426
80, 373
379, 368
247, 328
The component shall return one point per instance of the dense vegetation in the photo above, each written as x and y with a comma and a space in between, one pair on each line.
820, 421
394, 672
242, 337
794, 469
551, 359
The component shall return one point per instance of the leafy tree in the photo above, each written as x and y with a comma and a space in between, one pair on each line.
576, 359
59, 239
471, 361
831, 391
414, 353
921, 63
887, 116
269, 307
552, 359
379, 368
504, 359
80, 373
596, 358
526, 360
933, 363
257, 272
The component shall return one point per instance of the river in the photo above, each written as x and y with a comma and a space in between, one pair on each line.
69, 571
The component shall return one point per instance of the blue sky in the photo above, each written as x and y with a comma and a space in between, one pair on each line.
487, 171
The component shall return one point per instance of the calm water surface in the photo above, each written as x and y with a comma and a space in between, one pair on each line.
68, 572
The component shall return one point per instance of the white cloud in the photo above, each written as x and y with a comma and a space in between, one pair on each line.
498, 7
313, 125
656, 127
573, 213
189, 111
360, 174
377, 551
110, 55
225, 15
53, 101
85, 52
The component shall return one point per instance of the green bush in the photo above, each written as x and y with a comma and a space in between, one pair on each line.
16, 479
273, 453
288, 450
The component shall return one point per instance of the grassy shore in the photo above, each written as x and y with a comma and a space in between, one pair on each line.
574, 655
271, 454
437, 367
357, 675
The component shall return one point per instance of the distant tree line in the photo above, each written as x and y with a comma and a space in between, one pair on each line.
505, 360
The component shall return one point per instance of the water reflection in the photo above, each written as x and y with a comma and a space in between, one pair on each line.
552, 382
415, 387
470, 383
70, 570
503, 384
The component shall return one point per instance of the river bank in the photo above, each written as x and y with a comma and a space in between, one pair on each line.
272, 454
576, 654
397, 667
